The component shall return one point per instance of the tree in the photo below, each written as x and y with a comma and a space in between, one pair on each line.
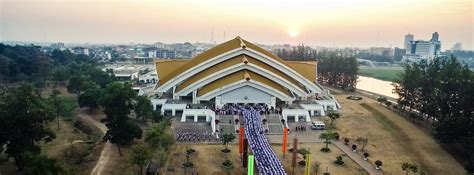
56, 103
90, 97
188, 164
141, 154
75, 85
362, 141
117, 102
41, 164
60, 74
333, 116
157, 117
157, 137
25, 117
143, 108
226, 138
327, 136
441, 90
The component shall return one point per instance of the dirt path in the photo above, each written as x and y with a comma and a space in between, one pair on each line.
106, 151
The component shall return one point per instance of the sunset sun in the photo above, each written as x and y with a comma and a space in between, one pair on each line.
293, 32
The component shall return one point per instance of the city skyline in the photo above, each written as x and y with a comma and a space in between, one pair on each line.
341, 23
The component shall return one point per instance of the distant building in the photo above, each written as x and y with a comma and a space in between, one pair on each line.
407, 43
152, 54
435, 37
457, 46
421, 49
169, 54
160, 45
58, 46
80, 51
381, 51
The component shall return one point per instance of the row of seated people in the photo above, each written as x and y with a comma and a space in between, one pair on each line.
236, 109
191, 135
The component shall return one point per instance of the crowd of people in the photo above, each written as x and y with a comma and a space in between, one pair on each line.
236, 109
300, 128
190, 135
266, 159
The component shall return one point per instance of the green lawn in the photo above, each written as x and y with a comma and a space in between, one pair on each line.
380, 73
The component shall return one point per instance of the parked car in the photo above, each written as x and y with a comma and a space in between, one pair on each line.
318, 125
353, 97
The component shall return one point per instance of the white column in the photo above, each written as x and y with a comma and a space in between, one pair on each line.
195, 101
175, 97
195, 118
219, 102
273, 102
173, 112
297, 117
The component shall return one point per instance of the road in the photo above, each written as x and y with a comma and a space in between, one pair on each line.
106, 152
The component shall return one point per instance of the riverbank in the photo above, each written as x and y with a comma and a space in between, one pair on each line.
381, 73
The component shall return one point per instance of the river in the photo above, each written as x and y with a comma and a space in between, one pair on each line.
376, 86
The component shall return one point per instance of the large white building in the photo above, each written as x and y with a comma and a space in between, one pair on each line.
240, 72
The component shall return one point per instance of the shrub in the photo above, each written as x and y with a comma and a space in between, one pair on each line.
336, 136
346, 141
325, 149
339, 160
227, 164
302, 163
366, 156
188, 164
225, 150
378, 163
354, 147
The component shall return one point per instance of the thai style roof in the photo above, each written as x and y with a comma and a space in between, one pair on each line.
230, 62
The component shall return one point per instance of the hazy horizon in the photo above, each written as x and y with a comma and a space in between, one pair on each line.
340, 23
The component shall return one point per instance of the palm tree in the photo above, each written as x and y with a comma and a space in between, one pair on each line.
327, 136
333, 116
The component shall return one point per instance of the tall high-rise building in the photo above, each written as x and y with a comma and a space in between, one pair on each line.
407, 44
435, 37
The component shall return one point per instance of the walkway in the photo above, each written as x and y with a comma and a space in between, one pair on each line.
357, 158
106, 152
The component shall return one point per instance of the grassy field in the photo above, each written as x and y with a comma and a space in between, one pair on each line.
208, 160
392, 139
380, 73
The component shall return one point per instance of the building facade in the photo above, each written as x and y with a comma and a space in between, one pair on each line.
239, 72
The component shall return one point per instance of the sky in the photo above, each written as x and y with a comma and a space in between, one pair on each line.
340, 23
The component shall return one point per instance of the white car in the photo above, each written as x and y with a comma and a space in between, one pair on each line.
318, 125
